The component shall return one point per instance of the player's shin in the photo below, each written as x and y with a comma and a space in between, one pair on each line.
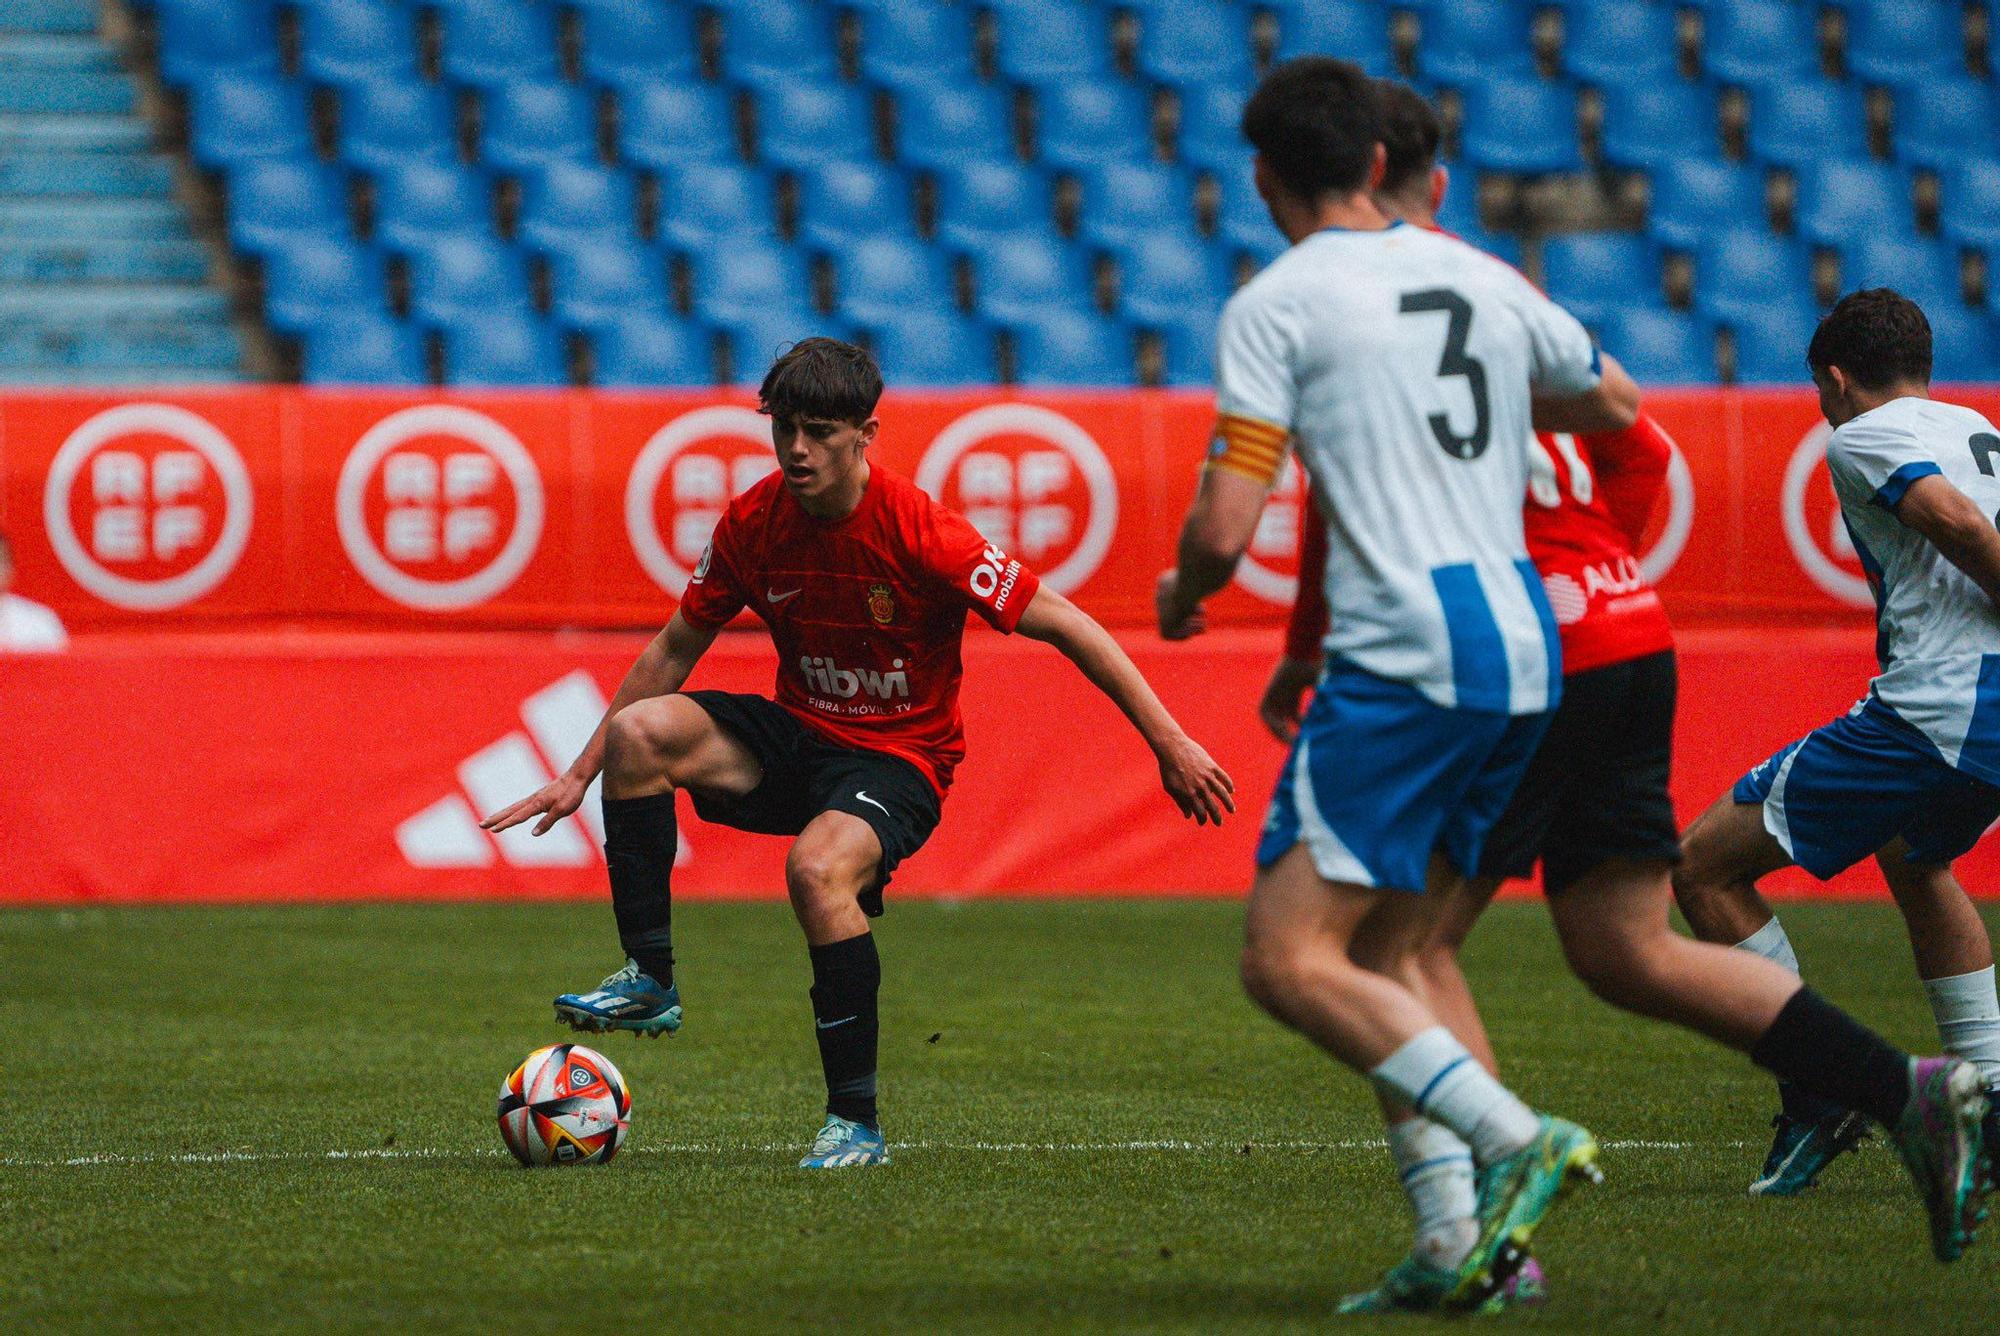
1826, 1051
1435, 1075
1772, 944
640, 839
1968, 1020
847, 977
1435, 1167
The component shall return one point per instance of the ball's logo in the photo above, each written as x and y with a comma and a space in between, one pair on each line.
1813, 526
1270, 566
439, 507
148, 506
1033, 482
682, 481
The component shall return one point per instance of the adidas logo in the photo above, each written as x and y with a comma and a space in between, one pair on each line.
559, 720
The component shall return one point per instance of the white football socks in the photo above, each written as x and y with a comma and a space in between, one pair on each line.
1434, 1075
1771, 943
1968, 1019
1436, 1170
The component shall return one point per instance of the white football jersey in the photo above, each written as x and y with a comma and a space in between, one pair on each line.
1401, 363
1938, 635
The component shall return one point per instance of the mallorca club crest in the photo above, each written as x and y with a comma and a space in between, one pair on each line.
881, 604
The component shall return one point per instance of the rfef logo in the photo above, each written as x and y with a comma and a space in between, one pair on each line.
683, 479
1270, 566
1813, 527
439, 507
1033, 482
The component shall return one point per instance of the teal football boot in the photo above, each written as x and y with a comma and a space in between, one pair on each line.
1941, 1137
630, 1000
1414, 1285
1802, 1148
1515, 1193
843, 1143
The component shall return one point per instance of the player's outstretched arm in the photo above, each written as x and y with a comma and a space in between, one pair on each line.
1219, 527
1612, 405
661, 668
1199, 787
1956, 527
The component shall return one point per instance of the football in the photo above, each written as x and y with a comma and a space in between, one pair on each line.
565, 1104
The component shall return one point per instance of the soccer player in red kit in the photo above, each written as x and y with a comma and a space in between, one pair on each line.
865, 583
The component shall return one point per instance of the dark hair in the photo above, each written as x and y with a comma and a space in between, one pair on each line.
1878, 336
1410, 134
1315, 121
822, 378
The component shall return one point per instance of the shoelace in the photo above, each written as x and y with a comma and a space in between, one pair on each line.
830, 1139
629, 974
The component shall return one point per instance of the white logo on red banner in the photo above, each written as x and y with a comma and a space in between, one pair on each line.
1808, 496
682, 481
1658, 559
1270, 565
1033, 482
148, 506
439, 507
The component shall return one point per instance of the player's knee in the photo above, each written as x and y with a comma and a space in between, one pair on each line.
1273, 974
1626, 969
822, 874
647, 736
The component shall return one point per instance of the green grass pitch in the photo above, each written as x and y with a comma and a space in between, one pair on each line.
243, 1119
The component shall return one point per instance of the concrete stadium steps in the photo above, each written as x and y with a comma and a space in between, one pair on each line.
115, 174
85, 219
74, 134
45, 260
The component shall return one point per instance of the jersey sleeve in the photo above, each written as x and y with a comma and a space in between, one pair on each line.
1631, 468
1255, 389
1563, 358
1877, 461
716, 591
978, 574
1305, 629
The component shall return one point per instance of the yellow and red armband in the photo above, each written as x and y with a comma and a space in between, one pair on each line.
1253, 448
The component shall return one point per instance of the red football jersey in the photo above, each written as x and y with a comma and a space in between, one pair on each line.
867, 611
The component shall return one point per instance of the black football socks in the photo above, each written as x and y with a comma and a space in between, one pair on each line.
639, 842
846, 978
1828, 1052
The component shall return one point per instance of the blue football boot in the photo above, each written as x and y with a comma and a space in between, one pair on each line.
843, 1142
1802, 1148
631, 1000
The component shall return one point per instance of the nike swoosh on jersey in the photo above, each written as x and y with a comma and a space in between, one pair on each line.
862, 797
776, 597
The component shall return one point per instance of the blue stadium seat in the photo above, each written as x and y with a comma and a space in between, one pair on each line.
1521, 125
1053, 41
491, 42
1197, 42
1356, 30
839, 201
596, 280
201, 38
568, 199
737, 282
240, 117
1469, 41
1243, 221
363, 348
777, 41
1945, 119
808, 122
421, 202
638, 351
1761, 43
1211, 134
1692, 197
629, 42
1165, 278
1022, 275
531, 122
1905, 41
1084, 122
466, 278
1925, 271
1771, 343
980, 201
932, 349
1660, 347
663, 126
1739, 269
877, 277
757, 337
1187, 356
504, 348
1591, 273
316, 279
1965, 347
942, 125
703, 203
1792, 123
1840, 201
1621, 43
1648, 124
1971, 212
387, 122
274, 201
1124, 202
1063, 347
348, 41
916, 41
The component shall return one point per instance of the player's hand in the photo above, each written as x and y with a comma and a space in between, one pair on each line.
1178, 621
1199, 787
553, 801
1284, 696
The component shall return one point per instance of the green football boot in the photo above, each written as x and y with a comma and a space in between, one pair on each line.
1514, 1194
1414, 1285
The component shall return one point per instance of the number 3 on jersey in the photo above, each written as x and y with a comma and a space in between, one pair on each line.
1455, 362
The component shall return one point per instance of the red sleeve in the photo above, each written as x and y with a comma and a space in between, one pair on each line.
1306, 629
1631, 468
987, 580
716, 592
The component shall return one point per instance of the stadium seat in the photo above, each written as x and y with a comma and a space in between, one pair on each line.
1469, 41
348, 41
628, 42
1839, 201
1971, 212
492, 42
1965, 347
839, 201
1905, 42
1243, 221
1622, 44
942, 125
1356, 30
706, 202
385, 123
637, 351
1061, 347
1022, 275
1521, 125
595, 280
1760, 43
419, 203
877, 277
240, 117
504, 348
1084, 122
202, 38
1211, 134
1591, 273
1945, 119
1187, 356
1053, 41
928, 349
1660, 347
1163, 277
1739, 269
1771, 343
916, 41
1923, 270
663, 126
1124, 202
1648, 124
808, 122
363, 349
755, 338
1793, 123
1196, 42
465, 278
531, 122
778, 41
980, 201
567, 199
274, 201
316, 279
1692, 197
737, 282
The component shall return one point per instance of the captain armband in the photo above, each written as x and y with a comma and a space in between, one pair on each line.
1247, 446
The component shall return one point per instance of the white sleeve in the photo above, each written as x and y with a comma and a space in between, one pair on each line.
1563, 357
1877, 461
1254, 374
